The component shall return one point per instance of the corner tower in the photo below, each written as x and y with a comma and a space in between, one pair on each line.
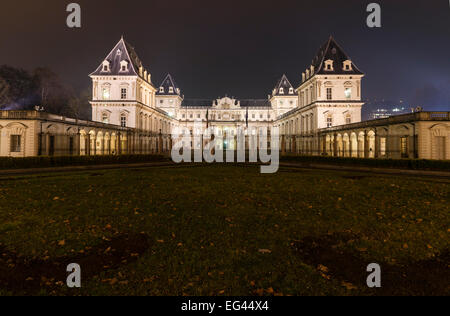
121, 88
283, 97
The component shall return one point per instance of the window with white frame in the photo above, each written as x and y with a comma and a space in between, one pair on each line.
105, 66
329, 121
123, 93
329, 93
123, 120
281, 91
106, 92
348, 119
16, 142
105, 118
291, 90
348, 93
329, 65
347, 65
161, 90
123, 66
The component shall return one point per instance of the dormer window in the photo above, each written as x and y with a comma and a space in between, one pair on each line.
307, 74
105, 66
281, 91
123, 66
329, 65
178, 90
161, 90
347, 65
170, 89
291, 90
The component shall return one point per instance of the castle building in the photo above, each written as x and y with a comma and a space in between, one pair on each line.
322, 116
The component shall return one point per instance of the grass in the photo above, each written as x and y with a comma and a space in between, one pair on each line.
221, 230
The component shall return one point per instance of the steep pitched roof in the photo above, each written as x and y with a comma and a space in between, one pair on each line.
284, 86
121, 52
332, 51
255, 103
168, 83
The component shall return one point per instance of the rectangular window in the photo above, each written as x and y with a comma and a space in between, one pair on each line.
348, 93
382, 146
123, 121
329, 94
105, 93
348, 120
71, 146
404, 147
123, 93
329, 121
15, 143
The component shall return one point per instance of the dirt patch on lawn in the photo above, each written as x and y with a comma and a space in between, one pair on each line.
28, 276
426, 277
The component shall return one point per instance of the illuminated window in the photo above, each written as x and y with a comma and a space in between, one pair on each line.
106, 93
15, 143
348, 93
383, 146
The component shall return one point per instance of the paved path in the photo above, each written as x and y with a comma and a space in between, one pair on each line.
85, 168
409, 172
420, 173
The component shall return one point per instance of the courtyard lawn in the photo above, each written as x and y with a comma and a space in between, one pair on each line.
223, 230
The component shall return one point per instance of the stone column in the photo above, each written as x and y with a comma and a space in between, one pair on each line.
78, 144
335, 145
160, 145
366, 145
88, 144
294, 144
350, 146
377, 145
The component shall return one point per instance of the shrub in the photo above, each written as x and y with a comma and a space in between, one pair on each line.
415, 164
60, 161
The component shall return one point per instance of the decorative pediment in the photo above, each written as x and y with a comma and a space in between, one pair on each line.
227, 103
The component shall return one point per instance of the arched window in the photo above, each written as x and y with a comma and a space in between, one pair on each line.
281, 91
123, 66
347, 65
105, 66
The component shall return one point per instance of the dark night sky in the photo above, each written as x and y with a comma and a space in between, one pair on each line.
239, 48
